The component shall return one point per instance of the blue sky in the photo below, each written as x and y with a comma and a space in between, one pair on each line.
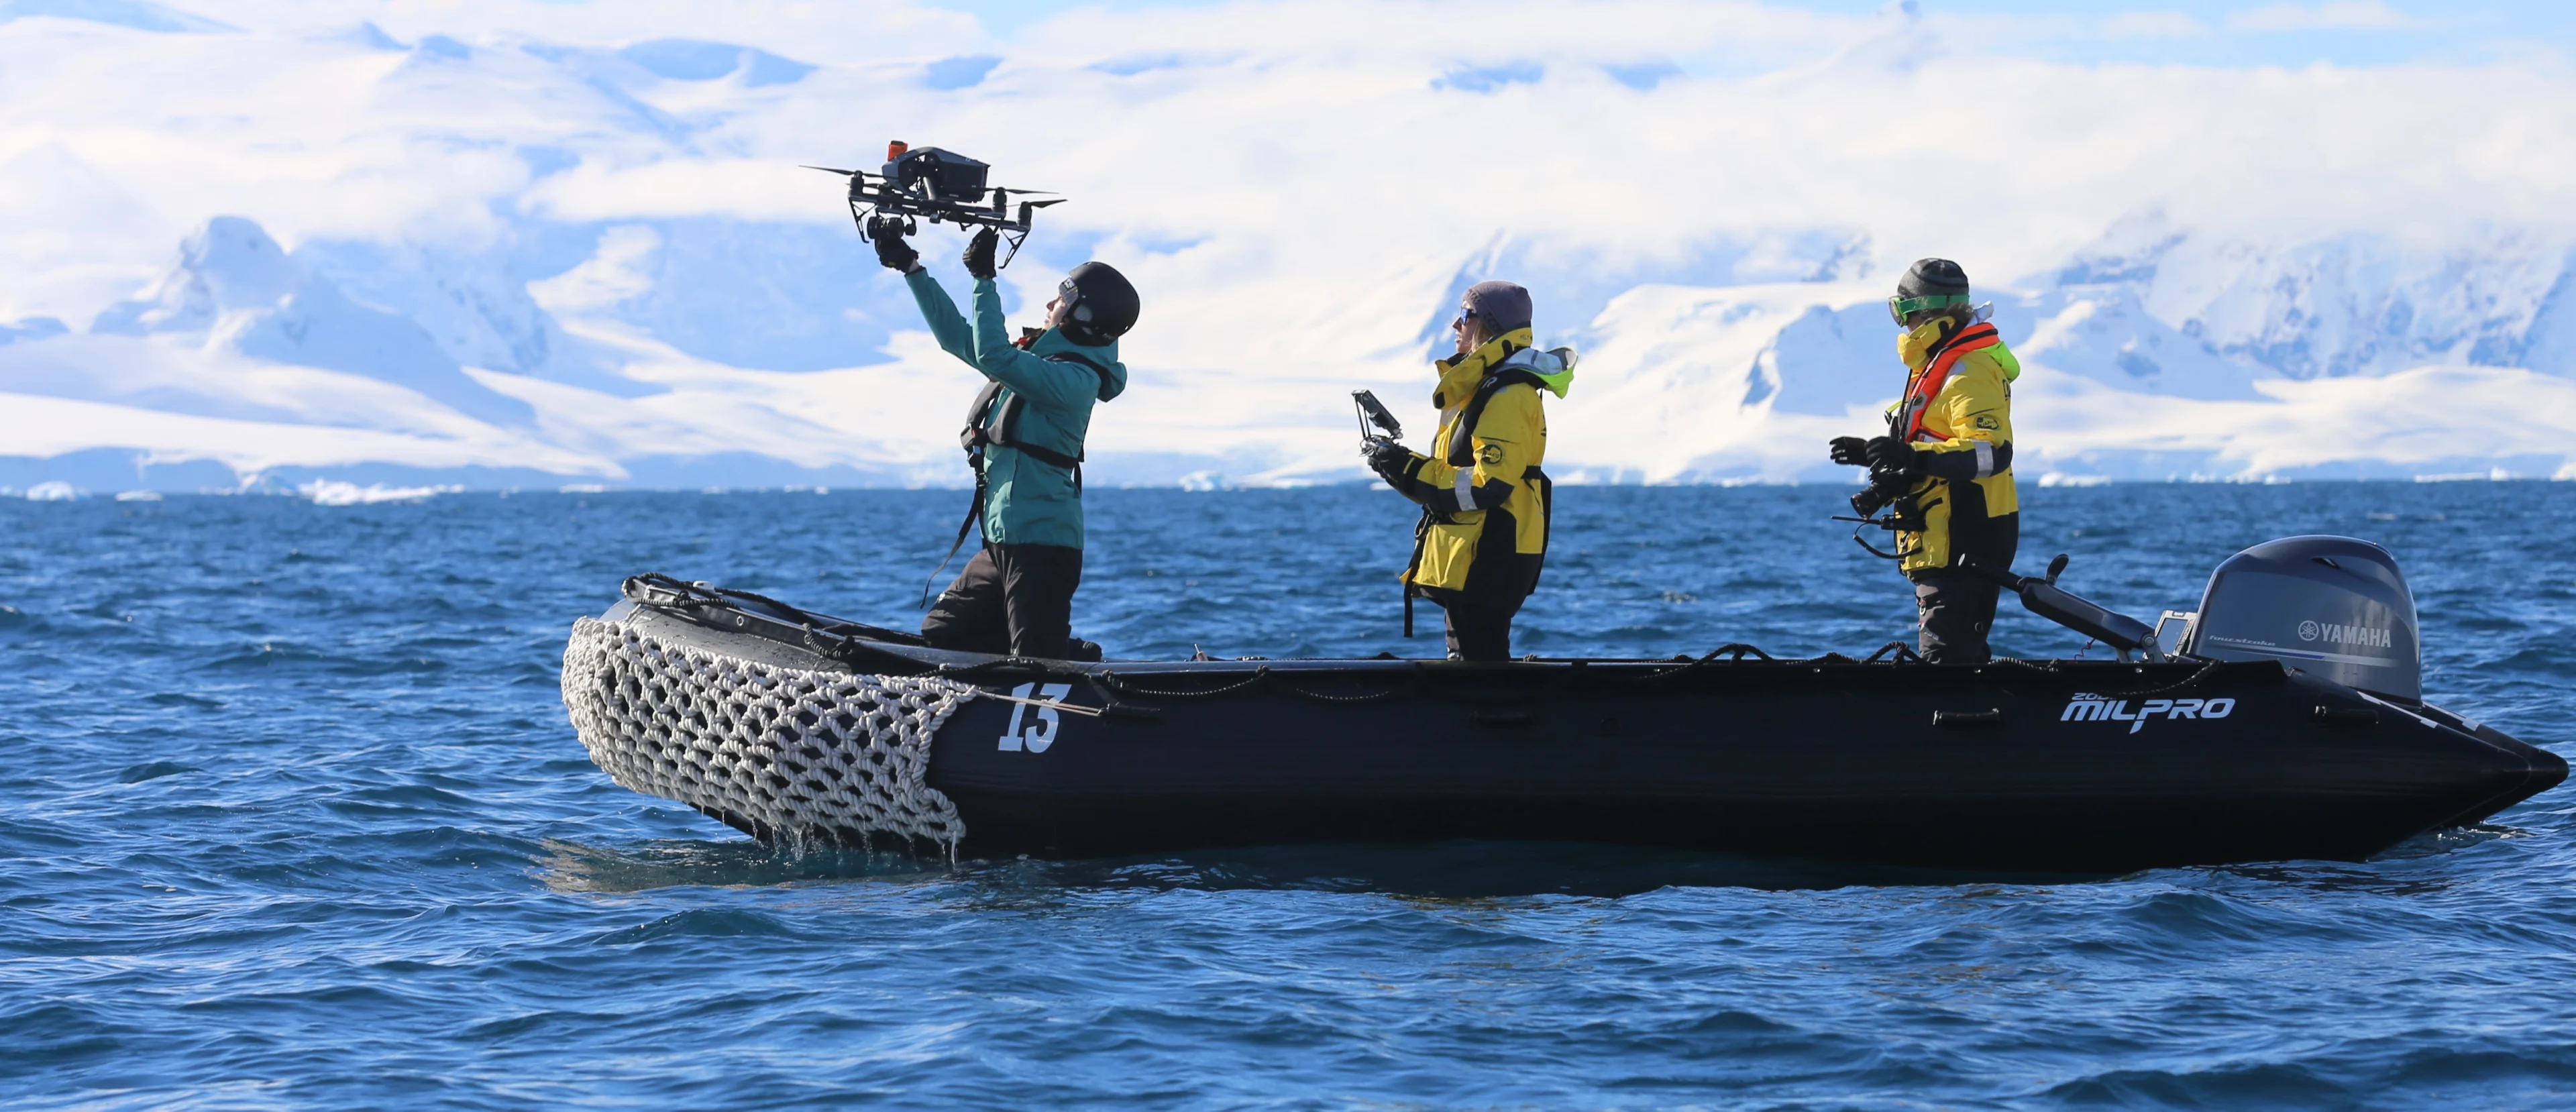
2197, 32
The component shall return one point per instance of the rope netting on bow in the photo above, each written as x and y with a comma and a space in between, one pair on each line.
797, 754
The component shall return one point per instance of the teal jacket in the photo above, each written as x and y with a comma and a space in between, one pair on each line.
1026, 500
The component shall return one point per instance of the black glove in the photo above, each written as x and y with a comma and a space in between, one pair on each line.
1850, 451
1889, 454
893, 251
1389, 459
979, 253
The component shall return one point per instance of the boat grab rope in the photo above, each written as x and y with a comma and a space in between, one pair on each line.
797, 754
1113, 682
1326, 697
1732, 653
2050, 669
1905, 654
2201, 674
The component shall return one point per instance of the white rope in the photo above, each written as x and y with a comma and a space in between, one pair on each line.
799, 753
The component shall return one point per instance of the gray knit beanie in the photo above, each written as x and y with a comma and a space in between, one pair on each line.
1933, 278
1504, 306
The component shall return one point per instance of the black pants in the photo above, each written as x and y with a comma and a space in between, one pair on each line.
1956, 611
1478, 631
1012, 598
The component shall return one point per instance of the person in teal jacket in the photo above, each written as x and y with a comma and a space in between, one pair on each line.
1024, 438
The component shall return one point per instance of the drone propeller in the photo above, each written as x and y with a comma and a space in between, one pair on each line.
831, 170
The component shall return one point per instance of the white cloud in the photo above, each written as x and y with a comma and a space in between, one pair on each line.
2333, 15
1292, 184
2153, 25
1325, 110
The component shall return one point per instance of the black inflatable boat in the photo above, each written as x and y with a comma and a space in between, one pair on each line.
2282, 720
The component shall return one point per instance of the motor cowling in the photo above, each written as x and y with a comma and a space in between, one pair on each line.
2333, 607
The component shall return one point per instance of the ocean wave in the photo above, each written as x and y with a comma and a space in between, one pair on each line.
311, 829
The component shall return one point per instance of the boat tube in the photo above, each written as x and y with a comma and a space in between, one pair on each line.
2283, 720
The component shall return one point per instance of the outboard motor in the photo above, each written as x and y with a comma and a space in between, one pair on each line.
2332, 607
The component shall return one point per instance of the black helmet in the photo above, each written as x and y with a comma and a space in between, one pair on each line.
1101, 306
1928, 284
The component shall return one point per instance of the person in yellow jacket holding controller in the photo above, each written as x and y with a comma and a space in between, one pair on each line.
1485, 502
1945, 467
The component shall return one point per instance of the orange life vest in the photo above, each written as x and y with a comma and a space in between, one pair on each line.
1927, 383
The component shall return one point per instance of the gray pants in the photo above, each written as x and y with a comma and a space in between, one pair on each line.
1956, 610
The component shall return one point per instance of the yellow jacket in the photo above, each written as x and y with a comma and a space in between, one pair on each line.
1486, 502
1966, 497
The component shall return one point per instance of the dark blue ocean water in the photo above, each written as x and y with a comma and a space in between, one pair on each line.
290, 817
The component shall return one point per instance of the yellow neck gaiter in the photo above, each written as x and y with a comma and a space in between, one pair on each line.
1459, 374
1915, 347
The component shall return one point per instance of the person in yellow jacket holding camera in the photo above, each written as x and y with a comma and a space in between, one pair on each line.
1485, 502
1945, 467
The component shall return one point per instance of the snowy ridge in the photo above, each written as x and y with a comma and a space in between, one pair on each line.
482, 257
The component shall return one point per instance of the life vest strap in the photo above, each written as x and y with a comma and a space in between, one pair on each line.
987, 427
1461, 449
1936, 374
1000, 428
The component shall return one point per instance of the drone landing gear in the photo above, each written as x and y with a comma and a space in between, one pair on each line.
1014, 240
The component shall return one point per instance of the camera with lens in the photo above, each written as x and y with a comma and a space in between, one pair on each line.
1871, 499
1885, 487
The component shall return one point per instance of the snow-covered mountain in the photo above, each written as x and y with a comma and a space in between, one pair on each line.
463, 255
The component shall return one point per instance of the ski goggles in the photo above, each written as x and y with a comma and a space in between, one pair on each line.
1901, 307
1071, 297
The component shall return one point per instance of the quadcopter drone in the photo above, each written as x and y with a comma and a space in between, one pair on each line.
937, 186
